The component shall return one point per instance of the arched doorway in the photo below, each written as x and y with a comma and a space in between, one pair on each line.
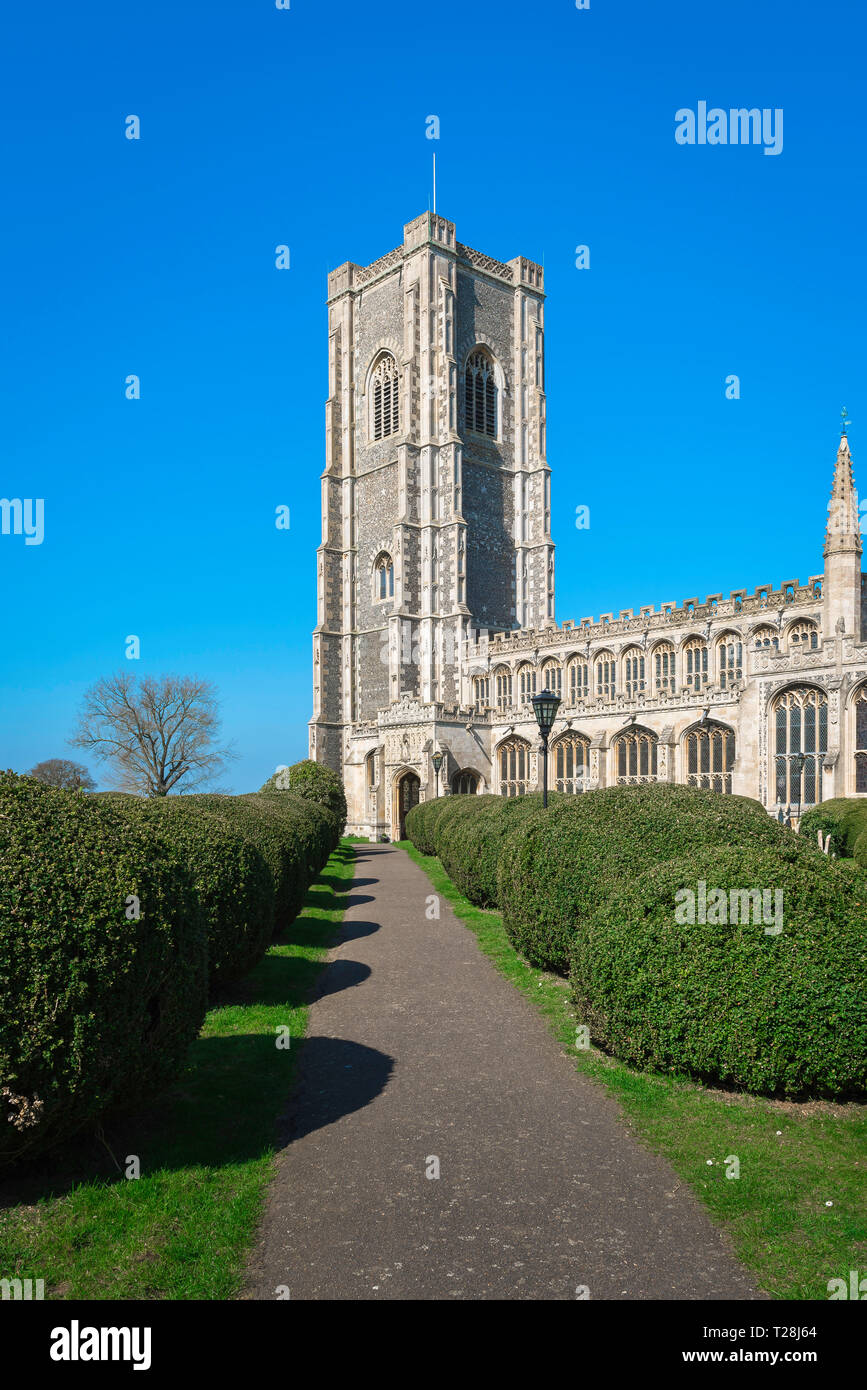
406, 795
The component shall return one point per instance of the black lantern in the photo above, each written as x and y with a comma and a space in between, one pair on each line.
798, 761
545, 707
437, 761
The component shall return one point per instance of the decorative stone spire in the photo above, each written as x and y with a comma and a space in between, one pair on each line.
843, 532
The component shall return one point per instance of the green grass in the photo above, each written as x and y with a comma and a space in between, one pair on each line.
775, 1213
182, 1229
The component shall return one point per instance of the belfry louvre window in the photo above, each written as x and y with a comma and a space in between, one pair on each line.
386, 397
635, 756
570, 755
513, 760
480, 397
800, 727
710, 755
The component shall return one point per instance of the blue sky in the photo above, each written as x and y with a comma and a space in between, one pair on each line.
306, 127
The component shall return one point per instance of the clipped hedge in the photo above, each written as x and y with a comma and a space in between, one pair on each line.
313, 782
234, 884
292, 836
777, 1014
557, 867
422, 819
843, 818
469, 840
96, 1007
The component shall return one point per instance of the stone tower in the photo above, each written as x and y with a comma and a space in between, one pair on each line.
842, 551
436, 489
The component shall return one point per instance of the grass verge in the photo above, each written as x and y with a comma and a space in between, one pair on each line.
182, 1229
797, 1213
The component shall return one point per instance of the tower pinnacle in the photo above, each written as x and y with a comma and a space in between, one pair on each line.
843, 532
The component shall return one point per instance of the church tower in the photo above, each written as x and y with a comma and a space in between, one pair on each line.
436, 489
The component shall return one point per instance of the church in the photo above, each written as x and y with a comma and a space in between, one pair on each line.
435, 576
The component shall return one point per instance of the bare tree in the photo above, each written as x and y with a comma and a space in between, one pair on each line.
156, 737
62, 772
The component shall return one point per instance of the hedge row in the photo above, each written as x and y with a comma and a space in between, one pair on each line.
313, 782
567, 863
733, 1002
594, 886
844, 820
116, 916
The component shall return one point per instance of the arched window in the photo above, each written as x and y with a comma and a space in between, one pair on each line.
800, 728
480, 395
710, 755
861, 740
385, 389
383, 577
503, 678
527, 677
465, 784
371, 770
695, 664
766, 638
552, 678
481, 690
579, 680
606, 676
635, 756
633, 671
802, 636
663, 668
570, 756
513, 761
730, 660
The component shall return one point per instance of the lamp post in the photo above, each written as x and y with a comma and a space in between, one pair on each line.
437, 761
798, 768
545, 706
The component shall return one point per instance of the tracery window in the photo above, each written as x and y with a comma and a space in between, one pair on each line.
606, 676
730, 659
635, 755
579, 681
710, 755
695, 664
861, 740
480, 395
385, 385
552, 678
527, 676
802, 636
765, 638
481, 690
633, 670
383, 577
513, 762
663, 668
465, 784
570, 756
503, 679
800, 727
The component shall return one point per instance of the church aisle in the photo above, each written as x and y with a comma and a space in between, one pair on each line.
419, 1051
